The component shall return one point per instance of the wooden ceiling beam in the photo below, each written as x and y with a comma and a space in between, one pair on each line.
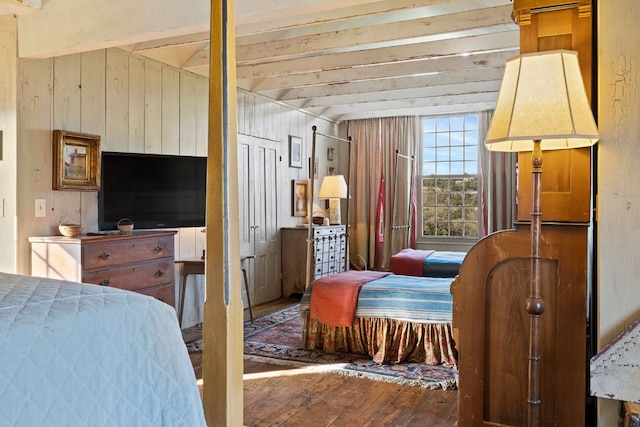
381, 71
422, 93
383, 35
350, 88
413, 110
288, 16
461, 46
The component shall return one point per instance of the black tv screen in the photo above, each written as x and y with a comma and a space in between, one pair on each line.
152, 190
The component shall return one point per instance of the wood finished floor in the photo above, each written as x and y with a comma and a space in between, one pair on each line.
282, 396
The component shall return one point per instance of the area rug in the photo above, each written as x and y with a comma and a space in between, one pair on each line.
276, 339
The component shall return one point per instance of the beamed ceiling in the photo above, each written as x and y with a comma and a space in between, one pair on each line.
352, 59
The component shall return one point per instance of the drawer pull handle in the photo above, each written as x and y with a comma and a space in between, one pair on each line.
105, 282
158, 248
105, 255
159, 273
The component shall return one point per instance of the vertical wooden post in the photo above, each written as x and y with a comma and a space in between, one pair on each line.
222, 331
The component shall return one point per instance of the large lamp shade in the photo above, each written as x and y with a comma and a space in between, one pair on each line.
542, 97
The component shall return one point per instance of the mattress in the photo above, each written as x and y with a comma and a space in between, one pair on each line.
76, 354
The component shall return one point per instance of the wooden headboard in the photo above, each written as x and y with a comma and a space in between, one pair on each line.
491, 328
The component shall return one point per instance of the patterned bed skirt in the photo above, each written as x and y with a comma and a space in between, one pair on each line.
385, 340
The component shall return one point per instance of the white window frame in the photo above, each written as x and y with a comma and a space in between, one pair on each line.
447, 240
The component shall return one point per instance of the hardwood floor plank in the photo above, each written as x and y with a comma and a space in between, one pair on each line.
290, 397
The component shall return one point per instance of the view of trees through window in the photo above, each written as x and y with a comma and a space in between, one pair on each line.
449, 161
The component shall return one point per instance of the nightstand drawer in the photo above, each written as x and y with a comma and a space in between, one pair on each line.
133, 277
107, 254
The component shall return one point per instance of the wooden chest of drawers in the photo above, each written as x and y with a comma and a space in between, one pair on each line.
328, 255
142, 261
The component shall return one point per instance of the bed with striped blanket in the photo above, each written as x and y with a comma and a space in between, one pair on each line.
426, 263
397, 318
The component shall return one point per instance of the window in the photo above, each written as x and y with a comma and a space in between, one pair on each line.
449, 177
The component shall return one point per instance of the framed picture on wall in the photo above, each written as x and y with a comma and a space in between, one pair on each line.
299, 197
331, 153
295, 151
76, 161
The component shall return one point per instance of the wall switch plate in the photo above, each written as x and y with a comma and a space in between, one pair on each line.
41, 208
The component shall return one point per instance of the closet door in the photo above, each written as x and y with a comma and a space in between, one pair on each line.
257, 186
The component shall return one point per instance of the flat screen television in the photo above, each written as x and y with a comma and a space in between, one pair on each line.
152, 190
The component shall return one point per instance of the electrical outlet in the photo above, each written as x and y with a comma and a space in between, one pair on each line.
41, 208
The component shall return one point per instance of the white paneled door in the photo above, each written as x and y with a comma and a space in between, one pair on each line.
257, 185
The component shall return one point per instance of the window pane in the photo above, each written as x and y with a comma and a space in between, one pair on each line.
471, 138
471, 184
471, 229
457, 229
455, 213
442, 140
457, 168
429, 214
471, 122
429, 168
428, 154
442, 184
442, 153
429, 140
471, 199
471, 214
429, 183
428, 125
457, 138
457, 123
429, 199
471, 167
442, 124
442, 199
470, 152
457, 153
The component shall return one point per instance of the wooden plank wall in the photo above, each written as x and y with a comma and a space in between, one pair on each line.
136, 105
8, 129
618, 177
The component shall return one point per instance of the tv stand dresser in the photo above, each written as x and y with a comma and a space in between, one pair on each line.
140, 261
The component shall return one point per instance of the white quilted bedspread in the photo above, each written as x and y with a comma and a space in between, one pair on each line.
85, 355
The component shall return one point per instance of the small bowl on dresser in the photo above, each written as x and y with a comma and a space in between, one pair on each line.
69, 229
125, 225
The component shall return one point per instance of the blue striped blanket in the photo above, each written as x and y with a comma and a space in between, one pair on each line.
443, 264
406, 298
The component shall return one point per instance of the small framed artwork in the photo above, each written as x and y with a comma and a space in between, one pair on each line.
331, 170
299, 197
295, 151
331, 152
76, 161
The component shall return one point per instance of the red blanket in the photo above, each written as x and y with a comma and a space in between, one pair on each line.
409, 262
334, 298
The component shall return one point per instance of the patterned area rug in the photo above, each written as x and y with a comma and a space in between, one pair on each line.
276, 338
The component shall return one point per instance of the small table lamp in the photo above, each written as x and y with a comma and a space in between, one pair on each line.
542, 105
334, 188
